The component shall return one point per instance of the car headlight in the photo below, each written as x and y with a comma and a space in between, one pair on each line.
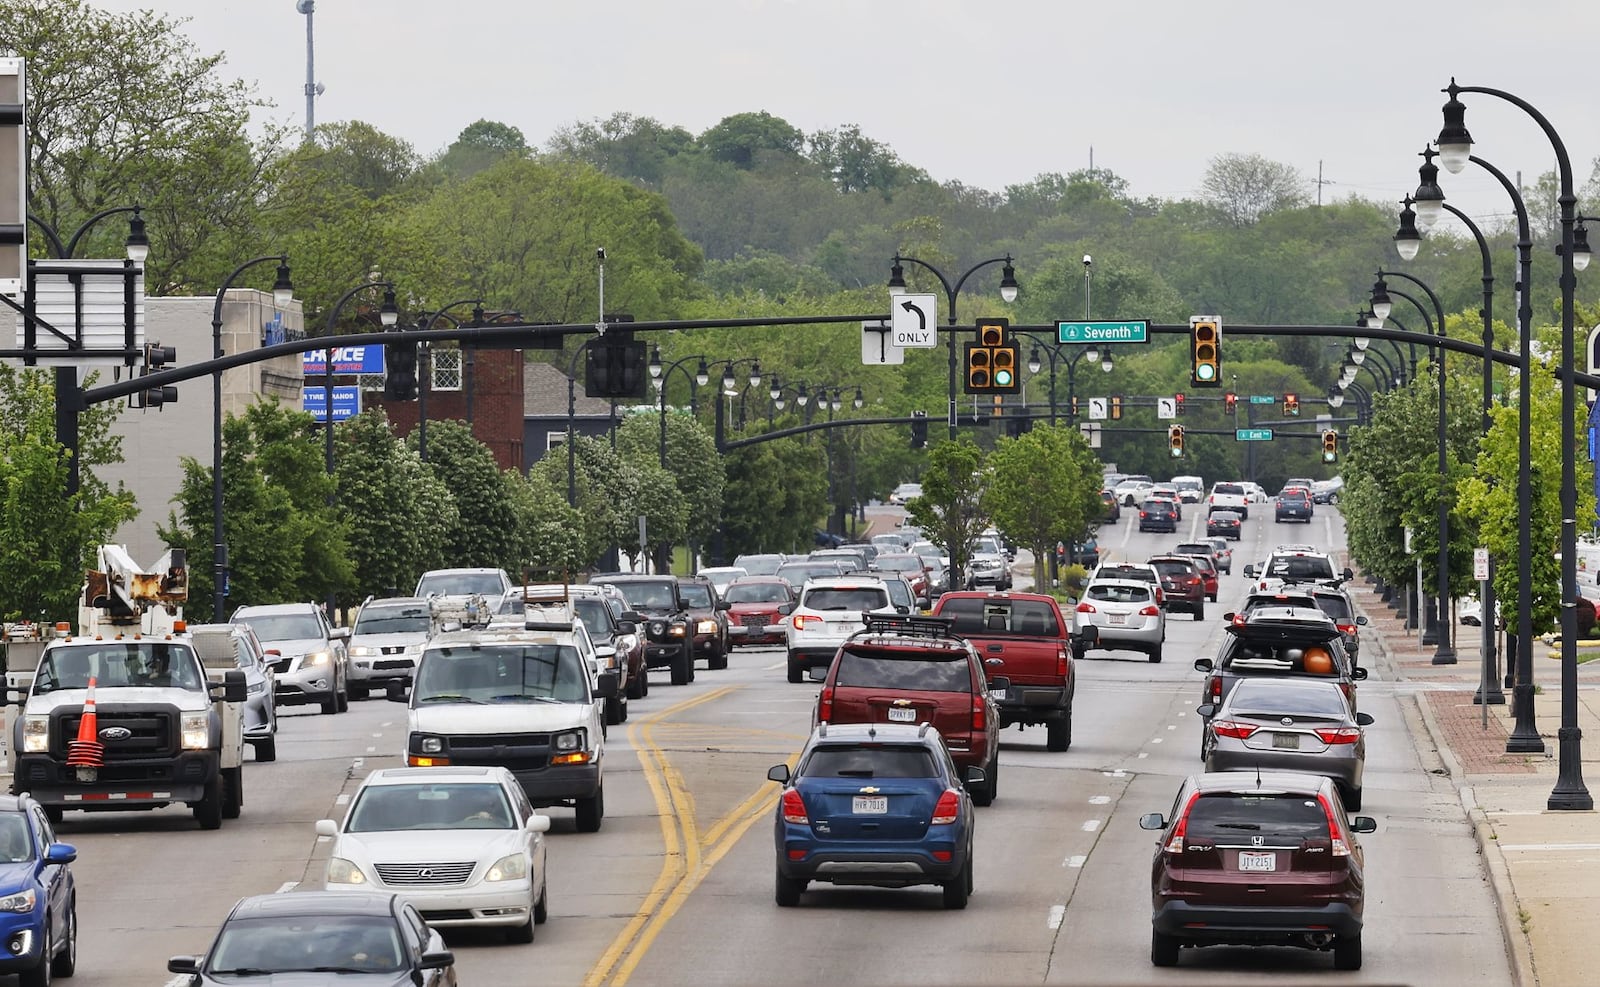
316, 658
570, 741
36, 734
254, 688
706, 627
342, 871
678, 630
362, 651
196, 731
512, 867
22, 901
432, 745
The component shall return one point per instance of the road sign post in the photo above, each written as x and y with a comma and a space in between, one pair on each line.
1136, 331
876, 349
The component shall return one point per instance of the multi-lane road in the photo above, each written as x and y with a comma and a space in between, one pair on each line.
677, 886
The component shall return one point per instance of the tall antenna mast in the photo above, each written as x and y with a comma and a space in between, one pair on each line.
313, 87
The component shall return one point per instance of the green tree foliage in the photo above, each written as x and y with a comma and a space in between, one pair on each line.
549, 532
950, 508
692, 463
1248, 186
857, 163
623, 146
603, 505
403, 513
481, 144
485, 532
744, 138
363, 157
285, 542
1044, 487
776, 492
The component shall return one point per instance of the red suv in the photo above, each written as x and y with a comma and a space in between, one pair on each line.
1258, 858
910, 669
1182, 583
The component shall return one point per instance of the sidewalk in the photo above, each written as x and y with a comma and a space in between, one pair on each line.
1543, 866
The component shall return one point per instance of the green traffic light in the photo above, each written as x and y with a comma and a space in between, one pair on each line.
1002, 378
1205, 371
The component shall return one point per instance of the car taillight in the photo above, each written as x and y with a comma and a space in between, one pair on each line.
1214, 689
1335, 833
948, 808
1233, 728
1143, 514
1194, 580
1347, 628
1239, 620
1340, 735
825, 706
1175, 842
1061, 662
978, 713
1150, 611
794, 808
802, 619
1086, 607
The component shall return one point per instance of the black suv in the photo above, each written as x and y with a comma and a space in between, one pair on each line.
1158, 514
668, 627
709, 613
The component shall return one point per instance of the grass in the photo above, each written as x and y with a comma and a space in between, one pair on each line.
1524, 919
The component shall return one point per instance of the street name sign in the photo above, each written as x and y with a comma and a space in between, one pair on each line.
1252, 434
914, 321
1263, 399
1137, 331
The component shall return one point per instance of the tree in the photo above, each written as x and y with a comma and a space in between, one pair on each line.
401, 512
1044, 487
694, 465
950, 507
363, 157
1248, 186
777, 492
596, 473
485, 532
623, 146
743, 138
549, 532
481, 144
857, 163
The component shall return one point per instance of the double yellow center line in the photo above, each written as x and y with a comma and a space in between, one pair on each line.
690, 854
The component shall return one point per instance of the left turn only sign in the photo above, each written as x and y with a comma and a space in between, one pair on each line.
914, 321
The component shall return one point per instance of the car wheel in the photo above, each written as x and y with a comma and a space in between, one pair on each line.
636, 685
342, 700
330, 705
1333, 498
520, 933
1347, 952
1351, 797
359, 692
613, 711
1058, 736
66, 961
541, 910
591, 812
786, 891
266, 750
1155, 655
984, 794
1079, 652
957, 892
797, 672
1163, 949
233, 789
1200, 612
208, 811
38, 976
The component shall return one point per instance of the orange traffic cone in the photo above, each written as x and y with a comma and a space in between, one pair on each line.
87, 751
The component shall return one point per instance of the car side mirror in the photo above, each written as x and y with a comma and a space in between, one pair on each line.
60, 853
1361, 621
723, 605
437, 959
327, 827
1358, 673
1250, 572
786, 609
975, 776
184, 964
1206, 710
1229, 617
1152, 820
627, 627
632, 615
816, 673
1363, 824
398, 693
1364, 720
1347, 574
233, 688
902, 608
537, 823
778, 773
1204, 665
1000, 683
606, 686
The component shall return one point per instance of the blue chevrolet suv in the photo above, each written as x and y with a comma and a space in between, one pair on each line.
874, 804
38, 903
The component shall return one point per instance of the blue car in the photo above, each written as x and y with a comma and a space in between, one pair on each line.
38, 904
880, 805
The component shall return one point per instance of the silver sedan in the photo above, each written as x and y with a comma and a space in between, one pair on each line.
1288, 725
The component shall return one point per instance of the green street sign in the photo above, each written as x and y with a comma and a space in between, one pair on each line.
1252, 434
1103, 332
1263, 399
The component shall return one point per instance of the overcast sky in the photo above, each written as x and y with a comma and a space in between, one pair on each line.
986, 93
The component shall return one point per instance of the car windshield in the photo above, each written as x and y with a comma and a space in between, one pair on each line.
594, 613
759, 565
840, 761
488, 673
644, 595
390, 808
982, 617
1254, 697
846, 598
910, 672
697, 595
900, 563
1229, 818
928, 551
282, 627
391, 620
16, 840
461, 584
756, 593
1300, 567
319, 943
158, 664
1115, 593
989, 546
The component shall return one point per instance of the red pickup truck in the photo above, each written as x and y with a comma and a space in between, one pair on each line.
1021, 637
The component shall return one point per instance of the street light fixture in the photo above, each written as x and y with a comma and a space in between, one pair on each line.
1382, 304
1408, 239
1429, 197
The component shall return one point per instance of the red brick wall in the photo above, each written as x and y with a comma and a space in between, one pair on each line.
497, 407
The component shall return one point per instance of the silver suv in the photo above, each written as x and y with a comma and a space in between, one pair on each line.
830, 609
386, 642
1126, 615
308, 657
225, 647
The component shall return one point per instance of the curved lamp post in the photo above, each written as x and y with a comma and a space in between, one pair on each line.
661, 374
425, 370
389, 316
1008, 294
1055, 353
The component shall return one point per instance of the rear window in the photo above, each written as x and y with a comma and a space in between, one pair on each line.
1158, 505
1336, 607
1300, 567
1027, 618
696, 595
875, 761
738, 592
1268, 656
1174, 568
910, 672
1226, 818
1124, 572
1279, 698
1118, 594
845, 598
900, 563
1228, 488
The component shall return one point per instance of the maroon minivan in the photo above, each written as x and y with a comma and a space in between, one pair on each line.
1258, 858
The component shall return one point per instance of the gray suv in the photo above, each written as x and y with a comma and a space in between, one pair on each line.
308, 656
386, 640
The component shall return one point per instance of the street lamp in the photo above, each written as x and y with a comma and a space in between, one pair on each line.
388, 316
660, 375
1054, 352
1008, 294
425, 371
282, 295
1456, 143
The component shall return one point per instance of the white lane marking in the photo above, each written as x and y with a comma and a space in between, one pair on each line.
1119, 773
1074, 861
1155, 740
388, 723
358, 762
380, 732
1090, 825
1181, 712
1172, 726
774, 668
1058, 913
343, 799
1535, 847
372, 750
1100, 800
1144, 753
287, 886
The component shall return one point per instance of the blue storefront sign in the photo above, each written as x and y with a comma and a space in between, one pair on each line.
346, 360
346, 402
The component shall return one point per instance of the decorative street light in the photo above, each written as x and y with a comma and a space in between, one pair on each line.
1008, 294
388, 316
425, 370
1054, 351
660, 375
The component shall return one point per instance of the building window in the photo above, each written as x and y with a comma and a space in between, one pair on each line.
553, 439
446, 369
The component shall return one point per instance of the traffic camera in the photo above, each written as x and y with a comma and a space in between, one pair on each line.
1205, 351
1175, 441
1330, 446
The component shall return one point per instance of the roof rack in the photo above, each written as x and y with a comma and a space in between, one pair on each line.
909, 625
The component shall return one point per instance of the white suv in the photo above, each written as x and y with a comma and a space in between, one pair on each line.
830, 609
1296, 564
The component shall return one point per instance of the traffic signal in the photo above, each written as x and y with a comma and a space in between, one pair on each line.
1330, 446
155, 357
400, 371
1175, 441
1116, 407
1205, 351
919, 430
992, 360
1230, 403
1074, 406
1291, 404
614, 366
1177, 404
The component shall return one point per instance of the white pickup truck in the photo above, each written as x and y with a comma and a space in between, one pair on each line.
1229, 497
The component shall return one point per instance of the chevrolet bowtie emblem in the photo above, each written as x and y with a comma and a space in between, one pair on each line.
869, 790
902, 702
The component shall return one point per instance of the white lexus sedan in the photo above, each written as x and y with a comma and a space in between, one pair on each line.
461, 844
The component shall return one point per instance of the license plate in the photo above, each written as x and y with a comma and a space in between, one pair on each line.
1257, 861
1286, 741
902, 714
1116, 618
877, 805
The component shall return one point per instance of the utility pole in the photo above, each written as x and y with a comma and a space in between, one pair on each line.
313, 87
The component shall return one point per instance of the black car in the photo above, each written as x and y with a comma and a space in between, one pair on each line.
1158, 514
1224, 524
350, 937
668, 627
